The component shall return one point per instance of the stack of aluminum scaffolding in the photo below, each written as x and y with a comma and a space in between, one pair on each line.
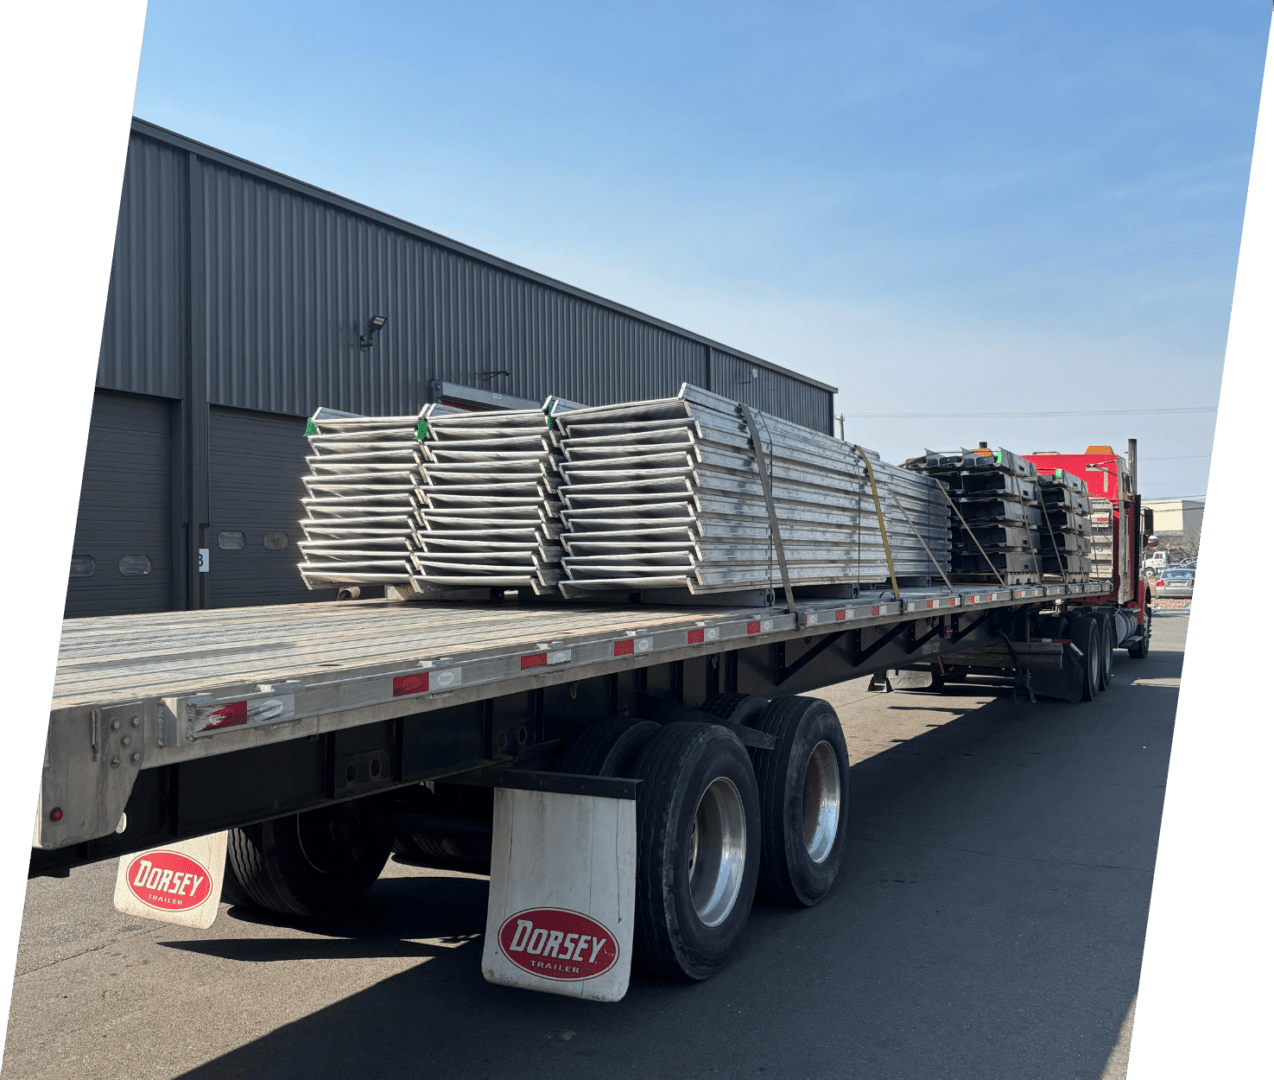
665, 498
487, 510
359, 499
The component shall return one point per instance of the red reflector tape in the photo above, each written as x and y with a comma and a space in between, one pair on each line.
538, 659
231, 715
694, 637
875, 609
411, 684
624, 648
840, 615
754, 628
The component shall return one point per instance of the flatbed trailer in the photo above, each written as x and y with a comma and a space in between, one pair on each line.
207, 699
402, 721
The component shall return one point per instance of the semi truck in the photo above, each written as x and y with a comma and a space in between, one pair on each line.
630, 776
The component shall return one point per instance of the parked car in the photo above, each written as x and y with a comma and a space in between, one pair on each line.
1175, 584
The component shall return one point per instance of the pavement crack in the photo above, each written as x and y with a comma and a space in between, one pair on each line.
83, 952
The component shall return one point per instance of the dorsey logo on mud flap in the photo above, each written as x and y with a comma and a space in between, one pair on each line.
555, 943
169, 881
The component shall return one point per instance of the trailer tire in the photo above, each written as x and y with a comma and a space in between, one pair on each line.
803, 784
232, 892
1140, 648
1087, 636
735, 708
1107, 626
447, 851
315, 863
698, 825
462, 849
608, 748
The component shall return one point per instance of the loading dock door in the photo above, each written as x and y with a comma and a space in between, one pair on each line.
256, 463
121, 562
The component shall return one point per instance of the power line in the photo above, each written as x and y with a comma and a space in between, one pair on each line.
1012, 415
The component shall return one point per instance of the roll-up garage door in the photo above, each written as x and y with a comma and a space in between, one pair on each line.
256, 463
122, 559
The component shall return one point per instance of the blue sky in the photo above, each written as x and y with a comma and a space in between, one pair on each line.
956, 207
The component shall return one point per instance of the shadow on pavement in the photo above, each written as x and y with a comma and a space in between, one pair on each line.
988, 922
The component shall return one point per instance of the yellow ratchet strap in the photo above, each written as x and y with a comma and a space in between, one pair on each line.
880, 517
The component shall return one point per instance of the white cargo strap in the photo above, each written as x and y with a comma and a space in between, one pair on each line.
763, 470
916, 533
1053, 539
943, 488
1026, 524
563, 882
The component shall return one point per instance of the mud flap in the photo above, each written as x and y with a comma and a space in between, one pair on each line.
563, 880
178, 883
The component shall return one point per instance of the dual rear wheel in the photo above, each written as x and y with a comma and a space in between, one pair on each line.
718, 823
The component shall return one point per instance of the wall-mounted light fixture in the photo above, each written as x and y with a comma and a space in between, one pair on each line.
375, 323
487, 376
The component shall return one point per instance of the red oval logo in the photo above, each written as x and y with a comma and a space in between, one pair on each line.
556, 943
169, 880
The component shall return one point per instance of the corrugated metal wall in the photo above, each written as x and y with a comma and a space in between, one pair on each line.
144, 334
280, 280
234, 288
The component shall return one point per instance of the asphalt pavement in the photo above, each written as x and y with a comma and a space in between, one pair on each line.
988, 922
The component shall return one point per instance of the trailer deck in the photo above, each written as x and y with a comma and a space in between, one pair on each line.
144, 692
319, 647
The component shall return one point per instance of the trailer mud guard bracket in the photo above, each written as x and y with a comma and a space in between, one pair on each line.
598, 787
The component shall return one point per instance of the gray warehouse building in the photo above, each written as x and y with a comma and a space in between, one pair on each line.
239, 303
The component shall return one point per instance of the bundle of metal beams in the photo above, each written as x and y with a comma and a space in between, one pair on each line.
1008, 522
487, 510
359, 499
665, 498
1068, 518
995, 513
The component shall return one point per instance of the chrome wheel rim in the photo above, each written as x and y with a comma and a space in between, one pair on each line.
717, 851
822, 802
